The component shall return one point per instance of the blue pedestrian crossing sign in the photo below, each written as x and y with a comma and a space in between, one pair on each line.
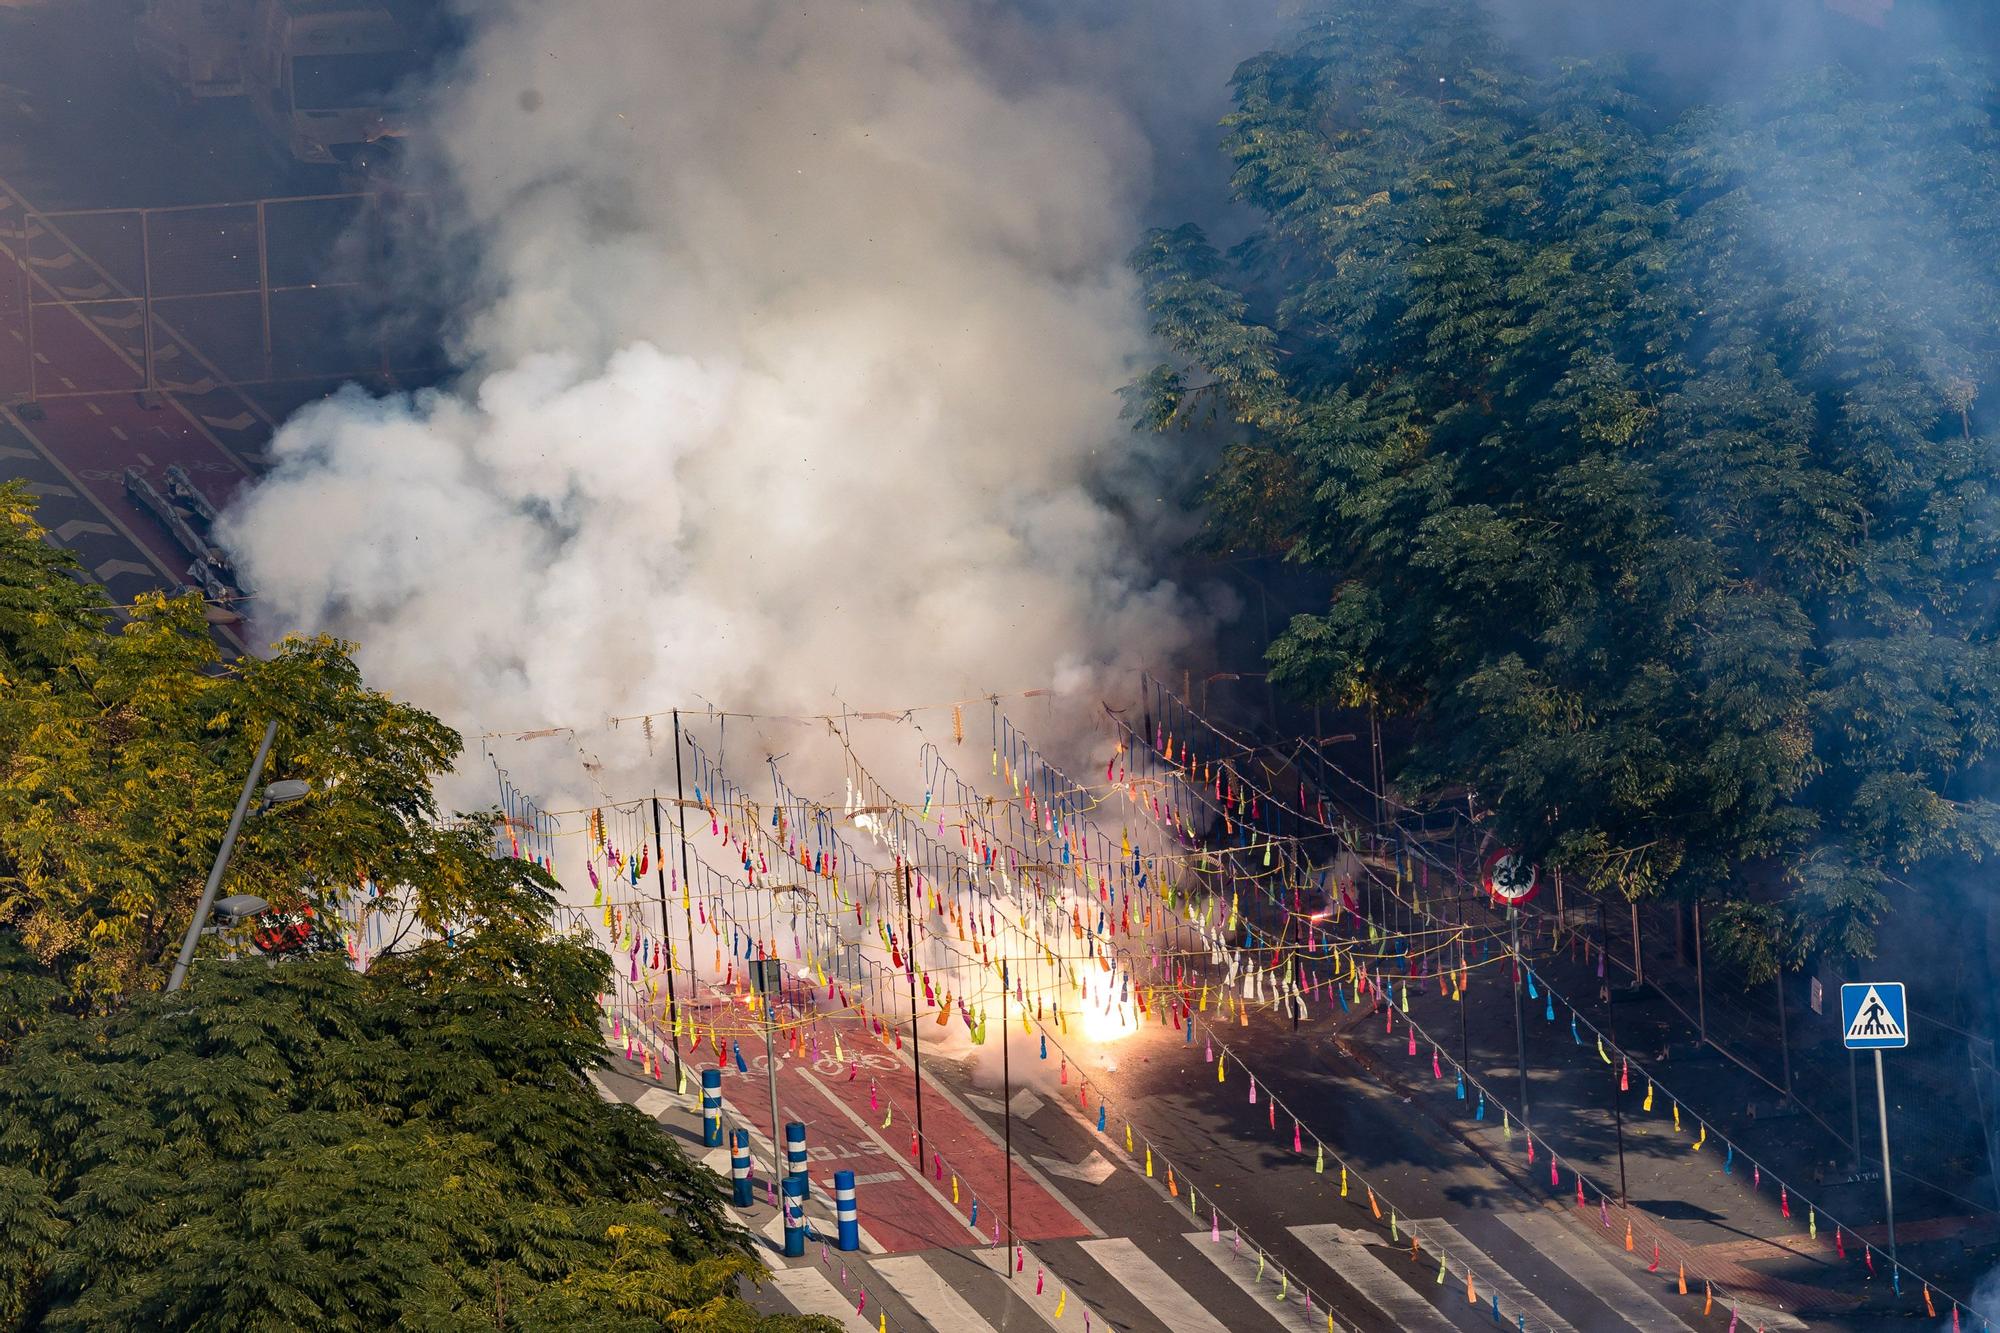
1875, 1015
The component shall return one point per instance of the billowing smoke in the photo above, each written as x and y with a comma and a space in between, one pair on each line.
790, 339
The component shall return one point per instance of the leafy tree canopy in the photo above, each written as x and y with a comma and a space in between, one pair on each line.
1644, 451
297, 1145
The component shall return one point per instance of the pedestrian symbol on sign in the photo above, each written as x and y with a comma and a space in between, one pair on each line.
1875, 1015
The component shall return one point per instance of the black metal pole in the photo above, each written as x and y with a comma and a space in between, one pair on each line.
1617, 1077
1007, 1110
1784, 1036
1700, 980
687, 880
916, 1043
660, 878
1520, 1027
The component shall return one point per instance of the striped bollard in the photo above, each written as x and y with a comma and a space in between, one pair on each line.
739, 1167
795, 1216
711, 1108
795, 1158
849, 1234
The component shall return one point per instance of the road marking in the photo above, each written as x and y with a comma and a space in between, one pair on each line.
1148, 1282
1092, 1170
9, 451
1578, 1257
241, 421
1242, 1270
1000, 1258
95, 410
928, 1294
1496, 1277
50, 489
653, 1101
1376, 1283
76, 527
808, 1292
900, 1159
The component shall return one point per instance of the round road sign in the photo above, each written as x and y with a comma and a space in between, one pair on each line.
1509, 877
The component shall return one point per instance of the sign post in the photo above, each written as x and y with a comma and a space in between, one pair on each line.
769, 976
1875, 1016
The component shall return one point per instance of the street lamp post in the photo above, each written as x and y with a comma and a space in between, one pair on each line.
276, 794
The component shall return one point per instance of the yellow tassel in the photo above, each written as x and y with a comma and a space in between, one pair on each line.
1128, 1138
1061, 1301
1149, 1160
1343, 1182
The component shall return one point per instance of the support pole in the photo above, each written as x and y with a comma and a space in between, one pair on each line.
221, 860
1701, 981
1888, 1190
687, 882
916, 1041
739, 1168
1007, 1106
660, 876
794, 1198
1784, 1035
1520, 1027
765, 971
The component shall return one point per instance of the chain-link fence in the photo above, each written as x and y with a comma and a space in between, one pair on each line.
190, 299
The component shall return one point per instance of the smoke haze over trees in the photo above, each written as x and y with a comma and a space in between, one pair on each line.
1644, 440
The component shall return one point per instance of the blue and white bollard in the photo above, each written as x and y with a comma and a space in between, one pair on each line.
739, 1167
711, 1108
795, 1157
849, 1235
795, 1216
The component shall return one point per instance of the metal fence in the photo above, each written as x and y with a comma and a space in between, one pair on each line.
188, 299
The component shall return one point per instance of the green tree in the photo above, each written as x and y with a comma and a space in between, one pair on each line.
1642, 451
301, 1145
123, 749
307, 1146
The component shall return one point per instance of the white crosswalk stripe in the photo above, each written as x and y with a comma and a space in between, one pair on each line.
1241, 1268
1074, 1315
929, 1295
1606, 1280
807, 1291
1165, 1298
1492, 1273
1342, 1250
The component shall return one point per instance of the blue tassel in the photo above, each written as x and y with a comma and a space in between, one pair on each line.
1574, 1034
1533, 994
1045, 1046
1729, 1160
1100, 1117
975, 1212
1549, 1009
1189, 1039
1480, 1114
1496, 1309
742, 1067
1461, 1085
1342, 993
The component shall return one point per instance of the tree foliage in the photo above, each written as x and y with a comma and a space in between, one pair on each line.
1644, 451
298, 1145
307, 1146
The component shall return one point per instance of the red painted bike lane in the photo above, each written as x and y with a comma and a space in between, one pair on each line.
845, 1102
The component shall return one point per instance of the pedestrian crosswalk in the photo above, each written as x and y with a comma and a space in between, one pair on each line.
1193, 1282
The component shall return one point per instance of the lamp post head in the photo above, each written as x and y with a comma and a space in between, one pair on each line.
238, 906
290, 789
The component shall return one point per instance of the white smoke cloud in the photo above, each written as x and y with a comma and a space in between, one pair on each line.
792, 370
